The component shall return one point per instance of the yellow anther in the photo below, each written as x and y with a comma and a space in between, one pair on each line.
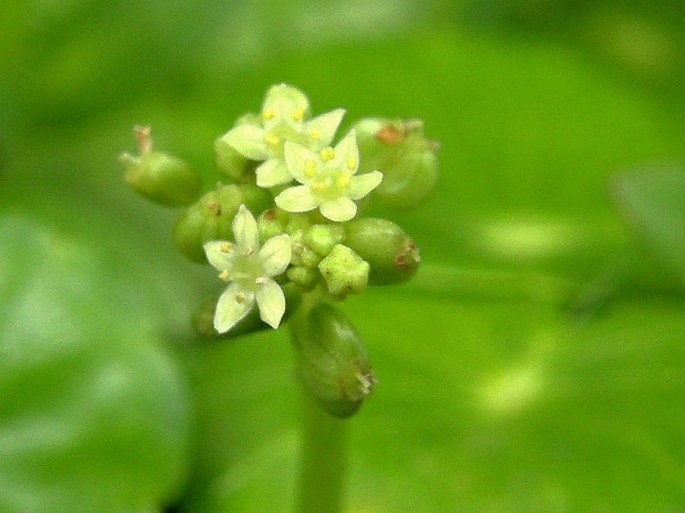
260, 280
225, 275
327, 154
268, 114
351, 163
225, 247
240, 298
310, 168
271, 138
298, 114
343, 180
314, 134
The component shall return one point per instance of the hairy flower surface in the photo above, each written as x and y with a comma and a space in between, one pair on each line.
327, 179
284, 117
249, 270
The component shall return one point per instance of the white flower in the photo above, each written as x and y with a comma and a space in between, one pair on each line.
328, 180
283, 118
249, 271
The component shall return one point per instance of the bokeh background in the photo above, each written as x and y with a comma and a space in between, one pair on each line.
535, 364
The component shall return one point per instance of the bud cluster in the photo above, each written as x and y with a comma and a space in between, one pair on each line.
284, 221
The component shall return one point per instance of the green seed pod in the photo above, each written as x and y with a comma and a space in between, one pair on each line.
391, 253
158, 176
344, 271
210, 218
406, 157
332, 361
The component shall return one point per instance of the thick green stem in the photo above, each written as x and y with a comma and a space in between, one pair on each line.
323, 461
323, 437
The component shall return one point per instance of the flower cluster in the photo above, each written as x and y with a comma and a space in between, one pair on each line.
285, 232
285, 221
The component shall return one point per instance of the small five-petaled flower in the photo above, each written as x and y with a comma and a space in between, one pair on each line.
328, 180
284, 117
249, 270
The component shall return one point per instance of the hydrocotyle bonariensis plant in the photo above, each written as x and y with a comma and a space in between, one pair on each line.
285, 232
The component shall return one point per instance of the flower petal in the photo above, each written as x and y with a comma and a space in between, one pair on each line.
340, 210
245, 230
296, 158
361, 185
286, 103
272, 172
346, 153
275, 255
321, 129
248, 140
297, 199
220, 254
271, 303
233, 305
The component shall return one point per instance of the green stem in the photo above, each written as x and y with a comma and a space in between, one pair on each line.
323, 461
323, 437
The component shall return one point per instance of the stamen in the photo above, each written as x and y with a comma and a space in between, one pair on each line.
240, 298
351, 163
298, 114
268, 114
225, 247
310, 168
343, 180
225, 275
260, 280
271, 138
327, 154
315, 134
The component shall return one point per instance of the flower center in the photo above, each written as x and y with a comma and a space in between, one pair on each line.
331, 184
248, 271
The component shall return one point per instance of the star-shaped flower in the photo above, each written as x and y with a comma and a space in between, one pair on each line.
249, 270
284, 117
327, 180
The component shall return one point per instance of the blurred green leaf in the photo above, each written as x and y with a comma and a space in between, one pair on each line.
653, 203
93, 414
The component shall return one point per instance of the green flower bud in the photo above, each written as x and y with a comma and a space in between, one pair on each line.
407, 159
344, 271
271, 222
211, 217
304, 277
332, 361
321, 238
391, 253
158, 176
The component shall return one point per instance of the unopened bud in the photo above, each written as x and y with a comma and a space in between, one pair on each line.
344, 271
211, 217
391, 253
407, 159
158, 176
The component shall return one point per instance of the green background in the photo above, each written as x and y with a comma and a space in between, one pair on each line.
536, 362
